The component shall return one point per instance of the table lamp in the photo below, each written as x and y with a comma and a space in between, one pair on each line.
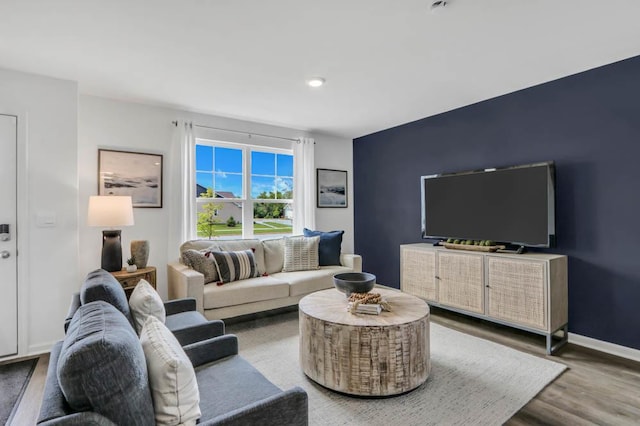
110, 211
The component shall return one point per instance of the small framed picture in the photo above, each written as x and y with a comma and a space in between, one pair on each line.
331, 188
136, 174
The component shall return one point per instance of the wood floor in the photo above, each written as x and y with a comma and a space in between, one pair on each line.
596, 389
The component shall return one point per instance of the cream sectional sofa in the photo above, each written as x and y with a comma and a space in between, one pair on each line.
273, 289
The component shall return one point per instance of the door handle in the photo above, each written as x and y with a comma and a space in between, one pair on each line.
4, 232
5, 254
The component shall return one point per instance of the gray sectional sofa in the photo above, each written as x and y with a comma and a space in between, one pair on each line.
273, 289
98, 374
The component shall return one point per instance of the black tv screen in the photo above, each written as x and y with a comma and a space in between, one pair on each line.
513, 205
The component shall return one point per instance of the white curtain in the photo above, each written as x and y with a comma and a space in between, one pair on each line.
187, 145
304, 189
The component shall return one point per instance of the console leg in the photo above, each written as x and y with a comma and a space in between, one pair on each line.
553, 347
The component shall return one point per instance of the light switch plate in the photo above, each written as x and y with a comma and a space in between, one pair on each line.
46, 219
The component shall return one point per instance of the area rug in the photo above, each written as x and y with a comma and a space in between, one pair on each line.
14, 378
472, 382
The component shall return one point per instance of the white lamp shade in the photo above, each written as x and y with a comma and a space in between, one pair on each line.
110, 210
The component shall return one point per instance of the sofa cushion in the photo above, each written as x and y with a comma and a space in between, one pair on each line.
273, 255
201, 261
102, 367
244, 244
172, 380
329, 247
197, 245
234, 265
300, 253
249, 386
145, 301
245, 291
101, 285
304, 282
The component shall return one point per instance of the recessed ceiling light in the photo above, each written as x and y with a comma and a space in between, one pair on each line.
316, 81
438, 6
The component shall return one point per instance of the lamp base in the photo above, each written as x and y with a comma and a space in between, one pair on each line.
111, 251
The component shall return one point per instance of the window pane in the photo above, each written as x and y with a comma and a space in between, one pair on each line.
204, 181
204, 158
285, 188
228, 160
263, 163
285, 165
263, 187
228, 185
272, 219
219, 220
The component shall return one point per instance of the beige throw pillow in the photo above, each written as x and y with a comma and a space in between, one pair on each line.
301, 253
172, 379
201, 261
273, 255
145, 301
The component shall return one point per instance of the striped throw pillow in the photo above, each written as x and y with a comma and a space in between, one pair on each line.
235, 265
301, 253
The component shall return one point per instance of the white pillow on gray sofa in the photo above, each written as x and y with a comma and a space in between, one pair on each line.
172, 379
145, 301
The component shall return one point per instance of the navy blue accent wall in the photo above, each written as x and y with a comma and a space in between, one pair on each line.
588, 123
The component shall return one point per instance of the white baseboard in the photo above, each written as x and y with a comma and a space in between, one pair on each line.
606, 347
40, 349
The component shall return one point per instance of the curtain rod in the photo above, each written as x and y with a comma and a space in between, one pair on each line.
175, 123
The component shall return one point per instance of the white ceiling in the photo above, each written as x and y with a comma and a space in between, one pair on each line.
386, 62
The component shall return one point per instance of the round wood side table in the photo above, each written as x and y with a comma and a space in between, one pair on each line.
360, 354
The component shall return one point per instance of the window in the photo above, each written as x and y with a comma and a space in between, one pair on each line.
243, 191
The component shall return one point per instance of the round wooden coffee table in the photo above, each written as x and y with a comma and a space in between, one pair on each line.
360, 354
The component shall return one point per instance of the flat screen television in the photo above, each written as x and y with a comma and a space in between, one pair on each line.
514, 205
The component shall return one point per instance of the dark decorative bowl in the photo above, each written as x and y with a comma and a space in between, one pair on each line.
354, 282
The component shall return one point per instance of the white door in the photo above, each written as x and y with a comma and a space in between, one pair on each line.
8, 245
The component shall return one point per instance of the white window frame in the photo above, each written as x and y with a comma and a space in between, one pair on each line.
246, 200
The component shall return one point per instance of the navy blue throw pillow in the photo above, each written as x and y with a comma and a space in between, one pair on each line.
329, 247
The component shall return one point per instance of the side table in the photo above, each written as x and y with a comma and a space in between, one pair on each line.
129, 280
365, 355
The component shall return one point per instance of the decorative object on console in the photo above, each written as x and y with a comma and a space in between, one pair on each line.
329, 246
136, 174
472, 247
331, 188
131, 264
140, 251
110, 211
354, 282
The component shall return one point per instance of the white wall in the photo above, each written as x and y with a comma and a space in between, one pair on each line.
47, 184
105, 123
336, 153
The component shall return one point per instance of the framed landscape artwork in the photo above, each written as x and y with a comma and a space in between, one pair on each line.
331, 188
131, 173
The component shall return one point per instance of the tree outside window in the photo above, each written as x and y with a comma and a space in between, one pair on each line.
223, 171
